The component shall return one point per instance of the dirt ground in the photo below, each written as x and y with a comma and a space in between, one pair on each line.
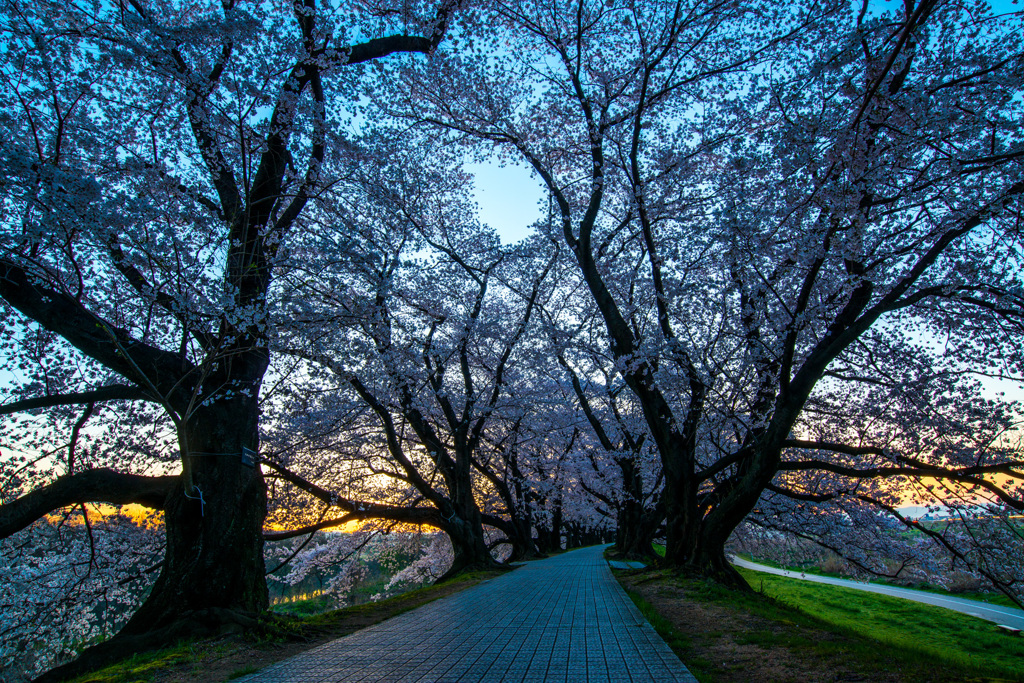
724, 644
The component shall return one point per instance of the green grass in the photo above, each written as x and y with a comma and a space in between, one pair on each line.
244, 671
937, 634
990, 598
921, 637
141, 667
305, 607
856, 643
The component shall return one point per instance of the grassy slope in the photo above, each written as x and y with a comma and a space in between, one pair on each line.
753, 638
947, 636
877, 632
991, 598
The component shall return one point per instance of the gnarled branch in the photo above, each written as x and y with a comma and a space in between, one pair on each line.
88, 486
111, 346
357, 510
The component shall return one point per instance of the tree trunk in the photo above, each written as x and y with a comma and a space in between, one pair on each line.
573, 536
695, 542
214, 522
635, 531
549, 538
708, 561
212, 580
700, 553
469, 550
682, 519
523, 546
636, 525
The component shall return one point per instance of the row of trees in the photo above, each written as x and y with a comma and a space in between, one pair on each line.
778, 278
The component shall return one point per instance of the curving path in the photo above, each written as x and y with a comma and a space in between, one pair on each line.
1001, 615
563, 619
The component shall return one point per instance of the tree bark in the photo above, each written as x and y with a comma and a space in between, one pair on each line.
523, 545
708, 561
214, 523
635, 531
636, 525
469, 549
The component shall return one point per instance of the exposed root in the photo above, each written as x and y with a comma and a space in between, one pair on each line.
721, 573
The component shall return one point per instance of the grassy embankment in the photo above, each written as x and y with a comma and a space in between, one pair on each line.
293, 628
991, 597
802, 631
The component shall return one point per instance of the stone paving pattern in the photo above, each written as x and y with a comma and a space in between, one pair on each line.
563, 619
626, 564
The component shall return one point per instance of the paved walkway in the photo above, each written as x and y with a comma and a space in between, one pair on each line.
562, 619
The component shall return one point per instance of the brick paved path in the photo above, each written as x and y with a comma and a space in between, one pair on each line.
562, 619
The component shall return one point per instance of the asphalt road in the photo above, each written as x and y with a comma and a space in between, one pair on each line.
997, 613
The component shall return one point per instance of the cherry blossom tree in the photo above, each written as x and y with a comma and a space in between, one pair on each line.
796, 229
73, 580
603, 73
419, 325
770, 205
619, 468
624, 484
874, 277
157, 157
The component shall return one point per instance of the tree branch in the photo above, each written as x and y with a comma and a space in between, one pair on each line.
970, 476
113, 347
114, 392
89, 486
274, 536
355, 509
795, 495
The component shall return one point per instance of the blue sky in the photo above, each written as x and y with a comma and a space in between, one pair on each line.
510, 197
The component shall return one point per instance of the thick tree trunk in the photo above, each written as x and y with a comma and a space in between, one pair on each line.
469, 549
212, 580
572, 537
214, 523
708, 561
549, 539
523, 545
214, 556
682, 519
636, 525
700, 553
635, 531
695, 542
